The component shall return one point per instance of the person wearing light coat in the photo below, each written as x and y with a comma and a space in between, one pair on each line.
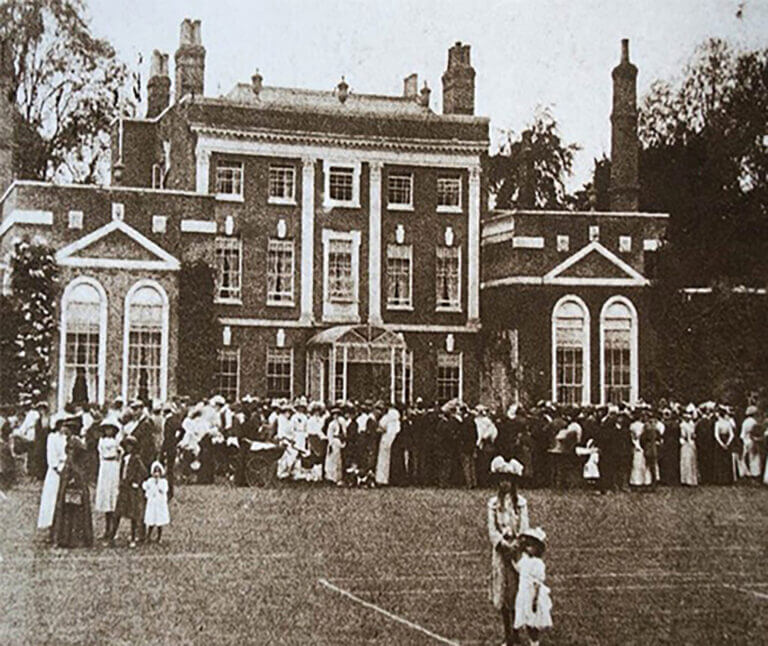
56, 456
507, 518
750, 432
389, 426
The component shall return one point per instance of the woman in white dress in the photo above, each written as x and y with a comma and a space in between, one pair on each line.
689, 472
640, 476
108, 481
750, 436
389, 427
507, 518
334, 467
56, 455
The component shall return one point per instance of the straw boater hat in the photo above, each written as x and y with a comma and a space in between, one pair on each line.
536, 534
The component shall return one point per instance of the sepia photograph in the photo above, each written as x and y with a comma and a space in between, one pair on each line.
354, 323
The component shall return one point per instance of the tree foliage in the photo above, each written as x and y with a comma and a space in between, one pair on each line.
528, 171
68, 86
10, 323
34, 293
704, 161
198, 331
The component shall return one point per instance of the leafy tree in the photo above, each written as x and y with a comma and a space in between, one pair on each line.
10, 323
68, 86
528, 171
34, 292
199, 334
595, 194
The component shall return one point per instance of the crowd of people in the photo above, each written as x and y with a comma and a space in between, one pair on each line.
121, 447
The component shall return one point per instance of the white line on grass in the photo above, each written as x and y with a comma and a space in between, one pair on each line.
389, 615
755, 593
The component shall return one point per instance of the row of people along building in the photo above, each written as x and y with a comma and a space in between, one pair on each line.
354, 251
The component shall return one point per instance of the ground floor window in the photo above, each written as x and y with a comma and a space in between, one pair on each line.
449, 369
570, 338
146, 329
228, 375
279, 372
83, 330
618, 334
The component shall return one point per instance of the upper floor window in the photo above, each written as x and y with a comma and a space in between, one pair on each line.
228, 374
342, 184
229, 267
399, 283
280, 272
341, 267
400, 191
448, 278
340, 277
449, 194
229, 179
282, 185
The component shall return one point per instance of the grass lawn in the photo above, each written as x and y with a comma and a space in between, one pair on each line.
243, 566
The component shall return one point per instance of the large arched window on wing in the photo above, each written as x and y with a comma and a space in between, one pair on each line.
145, 355
618, 351
570, 351
82, 355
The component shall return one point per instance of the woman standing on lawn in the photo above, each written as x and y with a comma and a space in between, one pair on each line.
72, 519
688, 463
507, 518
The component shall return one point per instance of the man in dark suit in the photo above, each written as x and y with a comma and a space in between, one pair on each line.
144, 432
608, 439
172, 433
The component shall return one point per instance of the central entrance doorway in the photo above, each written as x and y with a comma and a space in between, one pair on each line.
358, 363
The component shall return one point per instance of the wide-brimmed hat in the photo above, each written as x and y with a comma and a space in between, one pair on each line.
217, 400
129, 440
500, 466
751, 410
157, 465
536, 534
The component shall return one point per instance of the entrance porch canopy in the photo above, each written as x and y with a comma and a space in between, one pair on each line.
377, 357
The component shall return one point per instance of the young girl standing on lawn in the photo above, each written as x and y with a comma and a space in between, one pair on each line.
533, 606
156, 491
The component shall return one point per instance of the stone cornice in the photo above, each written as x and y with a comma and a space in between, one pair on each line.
446, 146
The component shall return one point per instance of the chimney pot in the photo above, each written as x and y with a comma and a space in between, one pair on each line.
342, 90
411, 86
424, 97
256, 82
625, 50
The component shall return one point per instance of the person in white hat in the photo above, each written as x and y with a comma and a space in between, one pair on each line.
56, 455
507, 518
156, 514
533, 605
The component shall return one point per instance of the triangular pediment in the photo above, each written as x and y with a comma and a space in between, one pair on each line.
116, 245
594, 265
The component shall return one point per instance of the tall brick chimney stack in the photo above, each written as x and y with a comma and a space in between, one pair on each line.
625, 184
459, 82
159, 85
7, 118
190, 60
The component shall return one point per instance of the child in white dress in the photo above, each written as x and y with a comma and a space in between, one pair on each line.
156, 490
533, 605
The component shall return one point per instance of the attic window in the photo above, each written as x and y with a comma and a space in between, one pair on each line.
229, 180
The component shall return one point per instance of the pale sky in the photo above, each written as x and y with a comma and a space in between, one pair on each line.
557, 53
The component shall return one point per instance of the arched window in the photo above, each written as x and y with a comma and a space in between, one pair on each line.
570, 351
145, 355
82, 356
618, 351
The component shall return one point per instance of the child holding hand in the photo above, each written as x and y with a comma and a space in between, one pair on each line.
533, 605
155, 488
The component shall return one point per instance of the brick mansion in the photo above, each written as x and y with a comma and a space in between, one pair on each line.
353, 246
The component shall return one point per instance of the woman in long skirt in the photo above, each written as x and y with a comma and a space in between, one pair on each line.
689, 471
723, 465
389, 424
56, 456
108, 481
640, 476
334, 467
72, 521
507, 518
